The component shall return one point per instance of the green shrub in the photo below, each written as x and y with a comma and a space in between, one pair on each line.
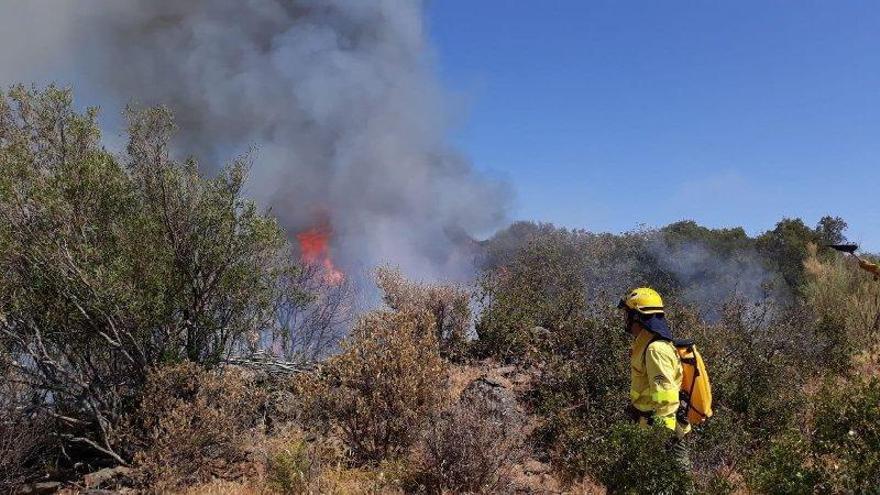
787, 245
288, 470
112, 265
781, 467
847, 434
290, 466
635, 460
583, 387
542, 287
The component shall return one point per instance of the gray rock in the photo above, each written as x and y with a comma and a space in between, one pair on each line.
44, 487
532, 466
494, 398
105, 476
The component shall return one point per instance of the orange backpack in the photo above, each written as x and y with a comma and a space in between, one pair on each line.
696, 391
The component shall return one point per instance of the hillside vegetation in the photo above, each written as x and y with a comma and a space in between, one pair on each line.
127, 281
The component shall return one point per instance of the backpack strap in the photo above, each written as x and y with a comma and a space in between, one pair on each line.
655, 338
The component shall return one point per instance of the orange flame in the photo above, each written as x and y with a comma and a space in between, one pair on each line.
314, 251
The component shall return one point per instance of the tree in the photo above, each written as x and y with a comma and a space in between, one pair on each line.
830, 230
542, 286
786, 245
108, 269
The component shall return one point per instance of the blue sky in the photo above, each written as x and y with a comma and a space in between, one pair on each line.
605, 115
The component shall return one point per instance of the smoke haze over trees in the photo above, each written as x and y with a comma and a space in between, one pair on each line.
696, 265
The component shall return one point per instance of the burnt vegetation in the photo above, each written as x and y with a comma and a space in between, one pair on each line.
128, 280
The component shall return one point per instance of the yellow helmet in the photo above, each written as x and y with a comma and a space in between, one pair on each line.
643, 300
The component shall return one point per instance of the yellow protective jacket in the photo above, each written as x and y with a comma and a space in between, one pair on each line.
656, 374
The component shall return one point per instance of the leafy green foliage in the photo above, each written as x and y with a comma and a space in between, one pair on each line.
636, 460
107, 269
542, 287
781, 467
290, 466
786, 245
847, 434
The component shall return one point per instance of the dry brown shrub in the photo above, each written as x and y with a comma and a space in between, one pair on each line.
448, 303
192, 425
472, 447
586, 486
387, 382
23, 436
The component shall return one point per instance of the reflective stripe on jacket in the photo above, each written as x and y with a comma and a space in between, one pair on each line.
656, 375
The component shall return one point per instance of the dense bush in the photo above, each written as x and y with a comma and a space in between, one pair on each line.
387, 382
847, 435
108, 269
582, 389
449, 304
636, 460
837, 451
191, 425
542, 286
787, 244
781, 467
471, 447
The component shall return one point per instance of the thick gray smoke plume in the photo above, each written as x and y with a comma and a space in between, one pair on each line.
337, 96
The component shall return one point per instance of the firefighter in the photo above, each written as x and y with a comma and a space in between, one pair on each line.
655, 369
872, 268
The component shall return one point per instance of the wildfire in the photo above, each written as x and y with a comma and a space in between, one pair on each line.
314, 251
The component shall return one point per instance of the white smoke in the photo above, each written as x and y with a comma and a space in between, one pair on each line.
708, 279
338, 96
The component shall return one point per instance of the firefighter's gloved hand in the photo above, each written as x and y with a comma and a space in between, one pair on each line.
871, 267
667, 422
633, 414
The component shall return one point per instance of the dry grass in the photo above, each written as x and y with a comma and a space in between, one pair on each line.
222, 487
846, 301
